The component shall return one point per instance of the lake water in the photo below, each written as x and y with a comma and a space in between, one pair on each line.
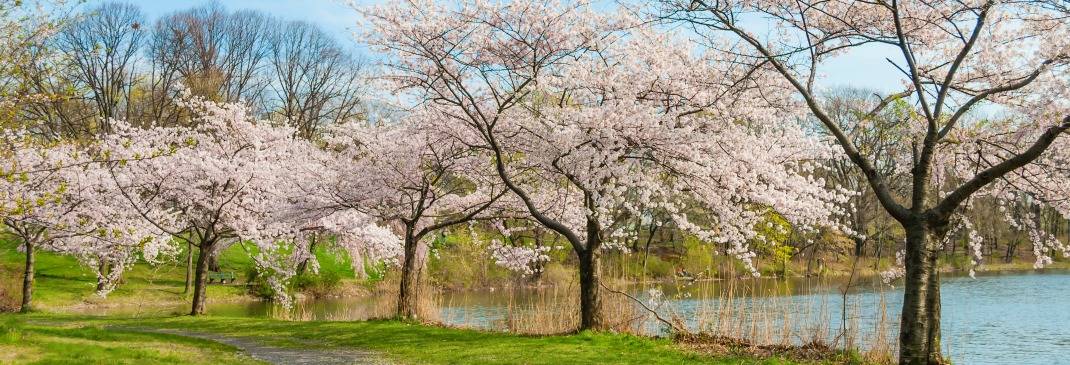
1006, 318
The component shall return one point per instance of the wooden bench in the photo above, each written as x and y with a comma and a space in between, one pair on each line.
222, 276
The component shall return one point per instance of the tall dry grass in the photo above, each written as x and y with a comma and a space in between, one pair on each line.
761, 314
10, 290
754, 315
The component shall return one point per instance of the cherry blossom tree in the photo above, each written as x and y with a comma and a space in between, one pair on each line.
415, 175
960, 62
230, 179
585, 116
35, 198
54, 197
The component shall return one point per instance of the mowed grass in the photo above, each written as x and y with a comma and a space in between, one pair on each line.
61, 281
400, 342
41, 340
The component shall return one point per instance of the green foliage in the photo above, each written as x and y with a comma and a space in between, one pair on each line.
958, 261
557, 273
317, 285
376, 271
257, 284
656, 267
699, 257
334, 267
775, 231
457, 262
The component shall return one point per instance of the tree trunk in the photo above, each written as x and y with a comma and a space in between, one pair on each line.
934, 350
201, 279
356, 261
213, 263
101, 281
409, 292
312, 254
540, 266
27, 279
1012, 246
859, 226
590, 287
189, 267
646, 250
919, 331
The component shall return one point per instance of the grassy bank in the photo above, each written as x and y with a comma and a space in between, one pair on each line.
39, 338
64, 284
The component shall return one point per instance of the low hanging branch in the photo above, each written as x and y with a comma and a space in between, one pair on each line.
673, 326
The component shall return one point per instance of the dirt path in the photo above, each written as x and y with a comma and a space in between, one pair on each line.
284, 355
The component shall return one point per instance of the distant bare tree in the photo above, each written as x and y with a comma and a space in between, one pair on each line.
315, 81
62, 113
872, 123
215, 53
161, 81
102, 49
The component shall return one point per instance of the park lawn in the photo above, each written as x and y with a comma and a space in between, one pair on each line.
62, 283
401, 342
40, 340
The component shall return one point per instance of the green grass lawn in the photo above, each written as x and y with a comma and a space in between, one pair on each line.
42, 340
110, 340
62, 282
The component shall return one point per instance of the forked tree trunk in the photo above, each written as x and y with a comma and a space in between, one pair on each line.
919, 331
934, 349
303, 266
646, 249
189, 267
201, 279
101, 278
356, 260
409, 292
27, 279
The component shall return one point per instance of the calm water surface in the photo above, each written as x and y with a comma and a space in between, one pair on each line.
1008, 318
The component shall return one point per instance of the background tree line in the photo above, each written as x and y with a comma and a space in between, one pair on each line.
111, 62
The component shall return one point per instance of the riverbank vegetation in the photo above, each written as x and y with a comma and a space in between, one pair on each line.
65, 285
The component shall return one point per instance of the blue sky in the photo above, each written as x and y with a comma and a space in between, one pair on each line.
865, 68
334, 16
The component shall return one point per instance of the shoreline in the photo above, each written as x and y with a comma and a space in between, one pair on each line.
245, 298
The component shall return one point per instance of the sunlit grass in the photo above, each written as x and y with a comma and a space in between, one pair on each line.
405, 343
41, 340
61, 281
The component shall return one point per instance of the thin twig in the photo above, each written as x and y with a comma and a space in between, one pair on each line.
655, 313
